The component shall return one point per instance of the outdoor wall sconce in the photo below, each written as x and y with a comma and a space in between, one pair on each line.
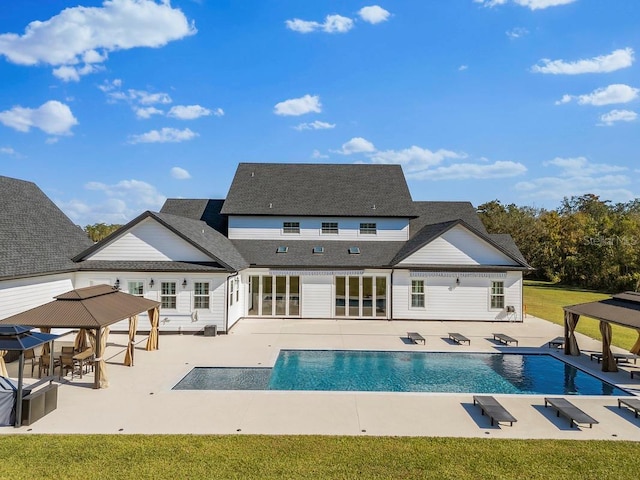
184, 283
458, 281
117, 284
151, 283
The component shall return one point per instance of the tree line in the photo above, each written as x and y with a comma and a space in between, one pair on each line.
585, 242
98, 231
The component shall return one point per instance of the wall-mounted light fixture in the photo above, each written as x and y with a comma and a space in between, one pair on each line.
151, 282
117, 284
184, 283
458, 281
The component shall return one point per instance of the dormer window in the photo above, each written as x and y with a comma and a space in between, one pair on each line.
329, 228
282, 249
318, 250
291, 227
368, 229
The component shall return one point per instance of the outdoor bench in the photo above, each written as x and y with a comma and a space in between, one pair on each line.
459, 338
569, 410
492, 408
415, 337
632, 403
618, 357
557, 342
506, 339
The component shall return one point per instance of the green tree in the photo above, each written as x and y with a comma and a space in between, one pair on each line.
98, 231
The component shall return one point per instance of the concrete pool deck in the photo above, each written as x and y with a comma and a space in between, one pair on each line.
140, 400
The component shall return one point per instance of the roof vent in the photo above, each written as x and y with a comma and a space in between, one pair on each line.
374, 206
318, 249
271, 205
252, 174
354, 250
282, 249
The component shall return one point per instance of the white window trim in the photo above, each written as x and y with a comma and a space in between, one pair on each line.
423, 294
337, 232
144, 290
284, 232
159, 283
195, 295
367, 234
503, 295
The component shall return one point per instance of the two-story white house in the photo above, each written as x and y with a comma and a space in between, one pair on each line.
311, 241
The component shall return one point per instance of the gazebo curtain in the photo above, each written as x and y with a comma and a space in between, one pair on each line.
608, 361
46, 349
100, 364
80, 343
571, 344
133, 326
154, 318
3, 367
636, 347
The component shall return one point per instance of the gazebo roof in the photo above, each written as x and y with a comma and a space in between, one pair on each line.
621, 309
89, 307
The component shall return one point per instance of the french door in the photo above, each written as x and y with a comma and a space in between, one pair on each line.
360, 296
274, 296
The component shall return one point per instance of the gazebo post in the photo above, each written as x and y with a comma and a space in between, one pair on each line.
52, 365
18, 421
96, 368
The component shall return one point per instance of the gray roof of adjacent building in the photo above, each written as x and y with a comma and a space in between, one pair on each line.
327, 190
207, 210
36, 238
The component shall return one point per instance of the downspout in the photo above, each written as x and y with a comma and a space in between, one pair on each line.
226, 300
391, 296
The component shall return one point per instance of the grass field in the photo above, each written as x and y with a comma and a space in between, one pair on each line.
545, 300
264, 457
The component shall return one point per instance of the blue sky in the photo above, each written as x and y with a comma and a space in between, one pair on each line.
113, 106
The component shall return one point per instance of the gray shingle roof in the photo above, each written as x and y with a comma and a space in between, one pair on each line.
505, 241
262, 253
35, 236
439, 212
319, 190
207, 210
142, 266
196, 232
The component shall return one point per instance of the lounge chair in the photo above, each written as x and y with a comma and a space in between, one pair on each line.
459, 338
506, 339
570, 411
492, 409
618, 357
631, 403
557, 342
415, 337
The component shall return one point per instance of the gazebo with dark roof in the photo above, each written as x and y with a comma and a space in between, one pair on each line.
622, 309
93, 308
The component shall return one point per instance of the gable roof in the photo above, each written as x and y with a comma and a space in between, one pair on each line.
501, 242
430, 213
319, 190
37, 237
196, 232
207, 210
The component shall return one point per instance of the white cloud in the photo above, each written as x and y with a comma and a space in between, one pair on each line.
317, 125
52, 117
165, 135
180, 173
576, 176
531, 4
188, 112
517, 32
332, 24
218, 112
7, 151
464, 171
462, 68
616, 60
299, 106
317, 154
147, 112
415, 158
78, 38
356, 145
374, 14
614, 116
617, 93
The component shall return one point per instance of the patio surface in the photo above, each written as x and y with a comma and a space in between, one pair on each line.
140, 400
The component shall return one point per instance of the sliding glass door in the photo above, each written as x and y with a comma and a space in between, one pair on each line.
360, 296
274, 295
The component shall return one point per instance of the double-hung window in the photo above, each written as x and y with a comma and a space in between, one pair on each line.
497, 294
329, 228
201, 295
417, 294
168, 295
136, 288
290, 227
368, 229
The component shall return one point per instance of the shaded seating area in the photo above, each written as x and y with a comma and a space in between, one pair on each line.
493, 409
567, 409
90, 310
622, 309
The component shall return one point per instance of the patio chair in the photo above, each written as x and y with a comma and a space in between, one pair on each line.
67, 363
43, 365
30, 355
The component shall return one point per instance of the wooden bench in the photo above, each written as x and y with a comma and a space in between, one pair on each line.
492, 409
569, 410
415, 337
632, 403
618, 357
557, 342
459, 338
506, 339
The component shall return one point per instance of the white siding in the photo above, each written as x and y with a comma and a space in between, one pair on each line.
317, 296
237, 310
444, 300
270, 228
458, 246
17, 296
149, 241
181, 319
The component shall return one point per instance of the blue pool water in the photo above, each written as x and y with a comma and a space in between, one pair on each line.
375, 371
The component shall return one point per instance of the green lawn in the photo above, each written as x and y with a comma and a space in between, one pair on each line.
263, 457
545, 300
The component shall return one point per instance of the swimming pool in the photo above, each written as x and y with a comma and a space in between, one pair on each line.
378, 371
